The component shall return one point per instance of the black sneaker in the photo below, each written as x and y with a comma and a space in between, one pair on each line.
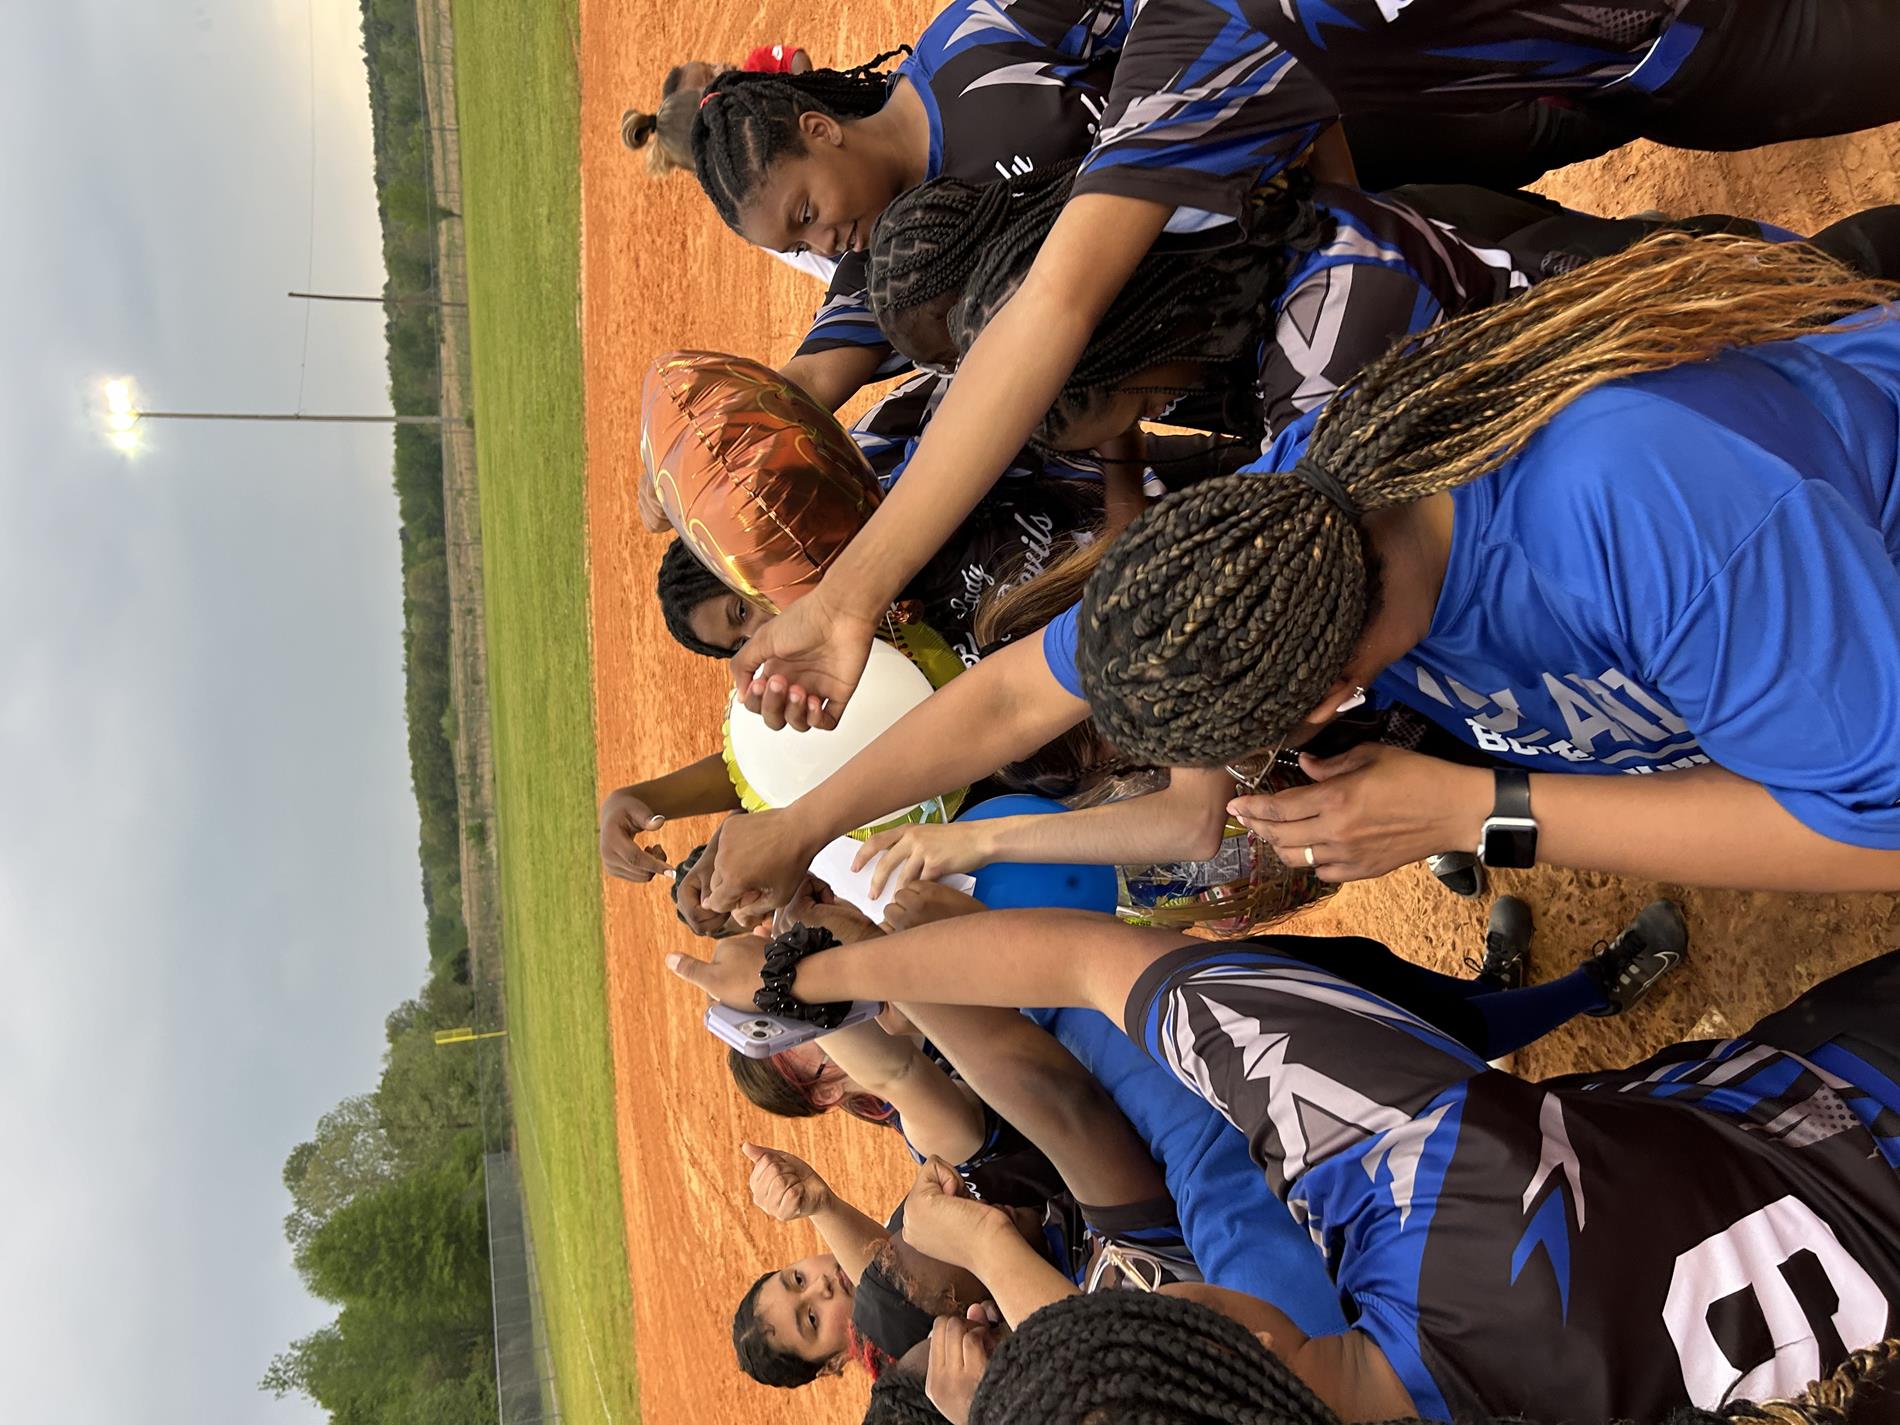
1460, 872
1507, 944
1650, 947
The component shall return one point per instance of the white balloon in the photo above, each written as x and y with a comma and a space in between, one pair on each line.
780, 767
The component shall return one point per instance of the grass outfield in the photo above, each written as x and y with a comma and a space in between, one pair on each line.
519, 117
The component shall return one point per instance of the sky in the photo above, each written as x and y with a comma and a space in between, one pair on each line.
209, 892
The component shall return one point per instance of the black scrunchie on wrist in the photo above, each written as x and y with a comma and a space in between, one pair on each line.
774, 994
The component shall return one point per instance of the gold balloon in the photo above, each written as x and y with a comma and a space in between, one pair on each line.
758, 479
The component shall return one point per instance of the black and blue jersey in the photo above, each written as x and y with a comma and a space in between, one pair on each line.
1204, 107
1719, 1222
1464, 54
1386, 271
1187, 95
1010, 87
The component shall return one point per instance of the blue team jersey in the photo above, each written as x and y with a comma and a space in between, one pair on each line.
1719, 1222
1240, 1235
1463, 54
1181, 102
1385, 271
1204, 107
1696, 565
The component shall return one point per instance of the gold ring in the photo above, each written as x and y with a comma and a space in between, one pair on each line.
1309, 857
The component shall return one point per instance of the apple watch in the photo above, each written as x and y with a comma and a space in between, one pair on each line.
1509, 837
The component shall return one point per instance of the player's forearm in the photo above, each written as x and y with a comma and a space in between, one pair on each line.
1124, 466
1703, 827
1019, 1279
848, 1235
1010, 958
1001, 710
1004, 386
834, 376
1037, 1085
1182, 822
698, 789
871, 1058
939, 1117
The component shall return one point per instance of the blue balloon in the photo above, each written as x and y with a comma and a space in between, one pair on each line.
1019, 885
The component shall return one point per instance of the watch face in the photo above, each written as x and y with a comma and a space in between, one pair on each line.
1509, 844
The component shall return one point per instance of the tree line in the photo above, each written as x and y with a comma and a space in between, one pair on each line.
406, 200
388, 1219
388, 1224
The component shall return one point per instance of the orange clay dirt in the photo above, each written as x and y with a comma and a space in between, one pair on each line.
661, 272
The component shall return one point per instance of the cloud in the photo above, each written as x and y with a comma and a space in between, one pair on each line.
209, 894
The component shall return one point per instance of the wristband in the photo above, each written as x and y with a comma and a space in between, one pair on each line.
774, 995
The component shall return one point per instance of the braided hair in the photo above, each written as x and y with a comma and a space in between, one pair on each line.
1225, 612
682, 585
747, 122
1141, 1358
928, 240
1184, 302
898, 1398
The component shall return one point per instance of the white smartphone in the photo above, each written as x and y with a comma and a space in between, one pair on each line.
759, 1036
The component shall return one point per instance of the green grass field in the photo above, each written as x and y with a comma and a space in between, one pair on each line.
519, 107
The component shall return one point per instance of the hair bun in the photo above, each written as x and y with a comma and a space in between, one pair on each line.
637, 128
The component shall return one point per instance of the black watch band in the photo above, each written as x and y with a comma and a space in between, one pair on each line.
1509, 837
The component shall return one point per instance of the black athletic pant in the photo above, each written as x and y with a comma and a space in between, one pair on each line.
1545, 239
1767, 71
1503, 150
1869, 241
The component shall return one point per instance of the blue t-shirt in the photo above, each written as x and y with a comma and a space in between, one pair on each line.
1241, 1236
1696, 565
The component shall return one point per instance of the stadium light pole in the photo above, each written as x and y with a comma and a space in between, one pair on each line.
124, 414
379, 301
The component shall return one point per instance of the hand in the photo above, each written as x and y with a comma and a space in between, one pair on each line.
731, 976
762, 857
785, 1188
647, 497
1371, 809
800, 669
906, 854
894, 1022
689, 892
960, 1351
815, 904
622, 816
925, 902
942, 1220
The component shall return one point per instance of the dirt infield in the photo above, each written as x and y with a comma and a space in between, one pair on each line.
660, 272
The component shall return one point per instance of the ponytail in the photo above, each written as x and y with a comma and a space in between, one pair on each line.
667, 136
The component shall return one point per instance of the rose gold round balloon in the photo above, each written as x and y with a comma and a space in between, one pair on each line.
758, 478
